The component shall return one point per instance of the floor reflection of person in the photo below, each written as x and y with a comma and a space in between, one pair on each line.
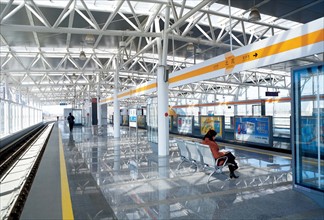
71, 143
209, 139
225, 202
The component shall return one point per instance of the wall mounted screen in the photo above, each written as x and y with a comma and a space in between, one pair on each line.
255, 130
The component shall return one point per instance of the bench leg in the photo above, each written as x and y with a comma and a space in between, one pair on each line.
180, 164
210, 175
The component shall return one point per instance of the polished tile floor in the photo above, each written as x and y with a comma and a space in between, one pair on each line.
123, 179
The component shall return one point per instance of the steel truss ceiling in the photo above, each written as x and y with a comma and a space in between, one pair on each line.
41, 41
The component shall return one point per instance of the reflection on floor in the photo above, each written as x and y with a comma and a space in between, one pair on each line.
137, 184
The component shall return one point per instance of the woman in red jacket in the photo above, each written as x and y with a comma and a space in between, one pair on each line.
209, 139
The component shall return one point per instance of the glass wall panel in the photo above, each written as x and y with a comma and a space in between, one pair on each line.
77, 113
152, 120
252, 93
269, 108
19, 117
40, 113
256, 110
281, 109
2, 119
32, 116
11, 119
308, 104
25, 117
263, 90
219, 110
241, 110
281, 115
15, 116
6, 118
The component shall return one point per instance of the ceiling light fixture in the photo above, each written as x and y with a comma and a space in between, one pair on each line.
122, 44
254, 15
89, 39
190, 46
82, 55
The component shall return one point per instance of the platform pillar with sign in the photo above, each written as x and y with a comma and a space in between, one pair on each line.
162, 96
133, 124
116, 101
94, 116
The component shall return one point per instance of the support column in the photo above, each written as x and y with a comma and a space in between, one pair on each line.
99, 113
235, 107
263, 107
103, 109
98, 98
89, 110
163, 91
116, 101
236, 99
94, 108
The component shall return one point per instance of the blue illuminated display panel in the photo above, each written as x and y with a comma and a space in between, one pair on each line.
256, 130
309, 137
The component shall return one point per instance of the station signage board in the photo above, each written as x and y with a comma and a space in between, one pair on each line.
132, 118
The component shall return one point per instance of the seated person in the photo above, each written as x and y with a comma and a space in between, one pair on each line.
209, 139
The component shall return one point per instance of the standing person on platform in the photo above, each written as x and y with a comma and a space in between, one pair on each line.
209, 139
70, 119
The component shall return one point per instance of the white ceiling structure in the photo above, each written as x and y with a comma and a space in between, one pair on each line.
41, 42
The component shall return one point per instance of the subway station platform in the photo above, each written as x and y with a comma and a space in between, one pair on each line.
111, 178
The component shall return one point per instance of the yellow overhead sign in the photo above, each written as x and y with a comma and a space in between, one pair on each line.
302, 41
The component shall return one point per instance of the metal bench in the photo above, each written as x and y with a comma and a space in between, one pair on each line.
183, 151
209, 160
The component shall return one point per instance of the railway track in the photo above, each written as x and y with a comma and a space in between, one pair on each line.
19, 163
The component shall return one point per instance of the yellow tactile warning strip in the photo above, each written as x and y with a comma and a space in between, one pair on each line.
67, 211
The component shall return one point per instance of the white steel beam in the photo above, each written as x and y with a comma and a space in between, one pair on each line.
128, 21
31, 21
40, 17
6, 9
135, 15
94, 22
182, 20
17, 8
66, 11
194, 22
175, 15
6, 60
86, 19
68, 37
108, 22
203, 32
